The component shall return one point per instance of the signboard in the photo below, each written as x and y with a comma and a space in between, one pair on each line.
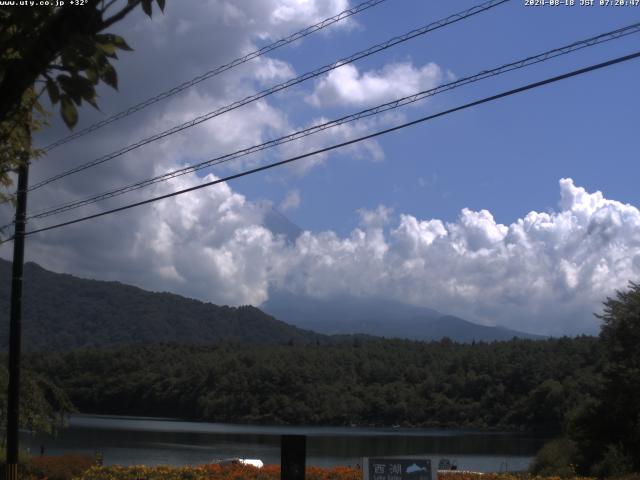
396, 469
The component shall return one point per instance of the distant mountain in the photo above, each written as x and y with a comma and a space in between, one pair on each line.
63, 312
279, 224
386, 318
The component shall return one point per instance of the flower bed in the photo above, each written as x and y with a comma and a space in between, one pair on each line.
63, 467
78, 467
213, 472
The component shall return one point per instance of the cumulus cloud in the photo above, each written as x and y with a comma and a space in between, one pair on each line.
305, 12
546, 272
291, 201
271, 70
375, 218
368, 149
348, 86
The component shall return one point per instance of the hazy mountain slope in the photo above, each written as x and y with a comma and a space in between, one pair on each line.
347, 315
62, 312
279, 224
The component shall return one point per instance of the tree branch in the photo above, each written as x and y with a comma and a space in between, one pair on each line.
120, 15
107, 6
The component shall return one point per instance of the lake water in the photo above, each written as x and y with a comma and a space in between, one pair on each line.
153, 441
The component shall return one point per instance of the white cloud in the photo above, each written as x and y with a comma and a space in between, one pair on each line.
305, 12
368, 149
545, 272
375, 218
291, 201
271, 70
347, 86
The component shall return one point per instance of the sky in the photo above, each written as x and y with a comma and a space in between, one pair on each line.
521, 212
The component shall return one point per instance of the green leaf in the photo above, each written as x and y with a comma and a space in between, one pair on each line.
73, 60
91, 100
100, 60
77, 87
107, 48
92, 75
109, 76
113, 41
161, 4
146, 6
68, 111
52, 90
120, 43
69, 88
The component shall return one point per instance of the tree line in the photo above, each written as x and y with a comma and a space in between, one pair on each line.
518, 384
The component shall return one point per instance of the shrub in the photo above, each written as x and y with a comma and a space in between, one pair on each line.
556, 458
615, 463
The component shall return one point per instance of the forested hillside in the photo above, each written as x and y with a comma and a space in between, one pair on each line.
520, 383
62, 312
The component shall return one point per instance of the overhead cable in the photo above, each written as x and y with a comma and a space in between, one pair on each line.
270, 91
217, 71
528, 61
507, 93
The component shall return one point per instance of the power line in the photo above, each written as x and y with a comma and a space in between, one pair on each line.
218, 70
531, 60
289, 83
507, 93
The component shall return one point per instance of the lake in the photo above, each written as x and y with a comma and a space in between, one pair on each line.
155, 441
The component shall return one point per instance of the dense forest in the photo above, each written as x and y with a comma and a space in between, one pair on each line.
520, 384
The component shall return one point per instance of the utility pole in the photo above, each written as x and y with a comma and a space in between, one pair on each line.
15, 325
293, 453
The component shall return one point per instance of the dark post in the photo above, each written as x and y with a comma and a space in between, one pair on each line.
15, 325
293, 453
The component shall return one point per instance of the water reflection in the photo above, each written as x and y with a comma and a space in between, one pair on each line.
126, 441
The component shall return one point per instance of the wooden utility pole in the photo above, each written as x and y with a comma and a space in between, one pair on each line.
293, 453
15, 325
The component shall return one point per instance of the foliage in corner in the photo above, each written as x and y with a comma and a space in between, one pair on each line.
62, 52
43, 405
606, 429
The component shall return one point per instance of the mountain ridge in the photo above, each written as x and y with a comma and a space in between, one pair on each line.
379, 317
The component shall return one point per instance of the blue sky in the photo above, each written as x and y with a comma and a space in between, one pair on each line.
521, 212
506, 156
